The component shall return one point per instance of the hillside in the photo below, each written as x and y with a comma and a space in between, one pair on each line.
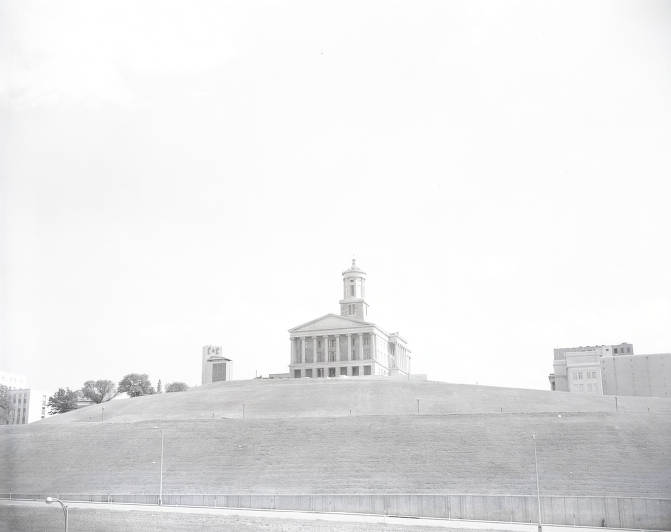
299, 437
344, 397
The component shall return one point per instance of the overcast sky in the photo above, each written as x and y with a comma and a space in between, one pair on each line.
175, 174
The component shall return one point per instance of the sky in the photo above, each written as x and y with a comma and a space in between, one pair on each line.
177, 174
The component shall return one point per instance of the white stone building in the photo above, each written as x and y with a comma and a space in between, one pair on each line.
347, 344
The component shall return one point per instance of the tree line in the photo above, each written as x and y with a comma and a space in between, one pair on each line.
100, 391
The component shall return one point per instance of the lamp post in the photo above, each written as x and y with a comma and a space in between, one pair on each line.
538, 486
160, 485
49, 500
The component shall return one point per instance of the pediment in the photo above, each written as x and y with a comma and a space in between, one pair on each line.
328, 322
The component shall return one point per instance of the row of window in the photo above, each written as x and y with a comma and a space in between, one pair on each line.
352, 371
580, 375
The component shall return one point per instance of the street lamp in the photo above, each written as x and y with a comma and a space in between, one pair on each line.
538, 486
49, 500
160, 486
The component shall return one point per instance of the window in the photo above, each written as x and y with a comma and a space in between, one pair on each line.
615, 350
366, 370
352, 290
366, 339
320, 372
580, 375
297, 373
332, 372
332, 356
343, 371
308, 373
355, 371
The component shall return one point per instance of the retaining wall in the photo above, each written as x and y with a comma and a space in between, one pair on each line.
612, 512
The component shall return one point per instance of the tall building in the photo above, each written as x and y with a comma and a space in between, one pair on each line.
216, 367
347, 344
25, 404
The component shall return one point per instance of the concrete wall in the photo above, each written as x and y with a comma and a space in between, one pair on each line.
612, 512
643, 375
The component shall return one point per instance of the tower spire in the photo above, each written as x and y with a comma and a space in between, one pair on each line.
353, 303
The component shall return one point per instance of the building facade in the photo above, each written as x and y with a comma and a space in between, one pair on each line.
578, 369
347, 344
25, 404
216, 367
648, 375
611, 370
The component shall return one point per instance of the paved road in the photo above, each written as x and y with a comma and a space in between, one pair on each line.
342, 518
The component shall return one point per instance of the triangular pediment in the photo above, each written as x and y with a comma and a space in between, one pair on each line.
328, 322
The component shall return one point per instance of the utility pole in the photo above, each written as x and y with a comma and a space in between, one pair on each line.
160, 485
538, 485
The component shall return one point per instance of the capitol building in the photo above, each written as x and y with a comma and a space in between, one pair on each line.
347, 344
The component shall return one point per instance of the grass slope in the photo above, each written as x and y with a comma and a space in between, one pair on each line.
298, 437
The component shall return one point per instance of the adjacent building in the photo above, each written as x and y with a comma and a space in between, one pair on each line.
611, 370
216, 367
648, 375
347, 344
25, 404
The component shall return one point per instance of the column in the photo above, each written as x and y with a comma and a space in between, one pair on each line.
337, 348
303, 359
360, 346
373, 346
349, 346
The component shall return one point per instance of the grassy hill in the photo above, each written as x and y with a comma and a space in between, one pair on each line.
344, 397
298, 436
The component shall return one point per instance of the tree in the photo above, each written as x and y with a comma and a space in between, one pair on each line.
62, 401
176, 387
159, 387
99, 391
136, 384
